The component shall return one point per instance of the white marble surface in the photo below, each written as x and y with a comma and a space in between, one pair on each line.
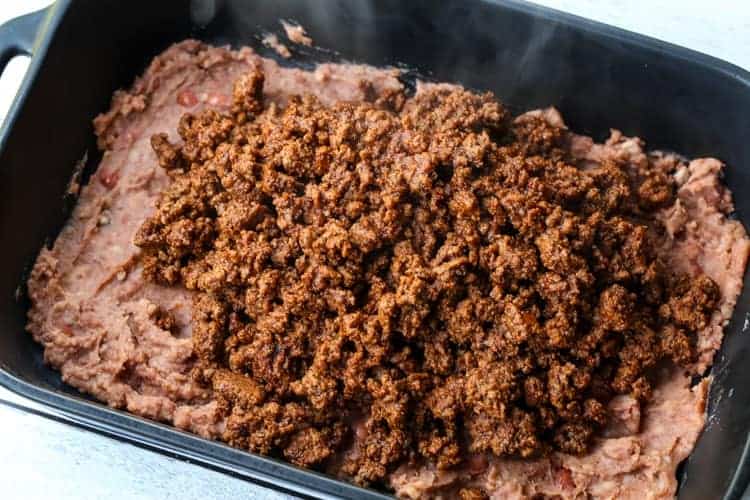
720, 28
42, 459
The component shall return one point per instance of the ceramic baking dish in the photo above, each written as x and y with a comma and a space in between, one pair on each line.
529, 56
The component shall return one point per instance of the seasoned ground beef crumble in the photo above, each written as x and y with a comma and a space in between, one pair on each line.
415, 292
449, 274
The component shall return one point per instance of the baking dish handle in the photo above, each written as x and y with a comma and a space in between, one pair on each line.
17, 36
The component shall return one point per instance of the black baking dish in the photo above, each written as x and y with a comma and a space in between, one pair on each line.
529, 56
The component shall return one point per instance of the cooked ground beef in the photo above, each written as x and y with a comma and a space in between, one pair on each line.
456, 281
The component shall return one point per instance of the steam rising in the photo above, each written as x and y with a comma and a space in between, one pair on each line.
508, 55
202, 12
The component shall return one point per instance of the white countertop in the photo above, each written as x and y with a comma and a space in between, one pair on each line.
42, 458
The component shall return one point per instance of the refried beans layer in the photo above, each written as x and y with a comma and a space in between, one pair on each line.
418, 293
